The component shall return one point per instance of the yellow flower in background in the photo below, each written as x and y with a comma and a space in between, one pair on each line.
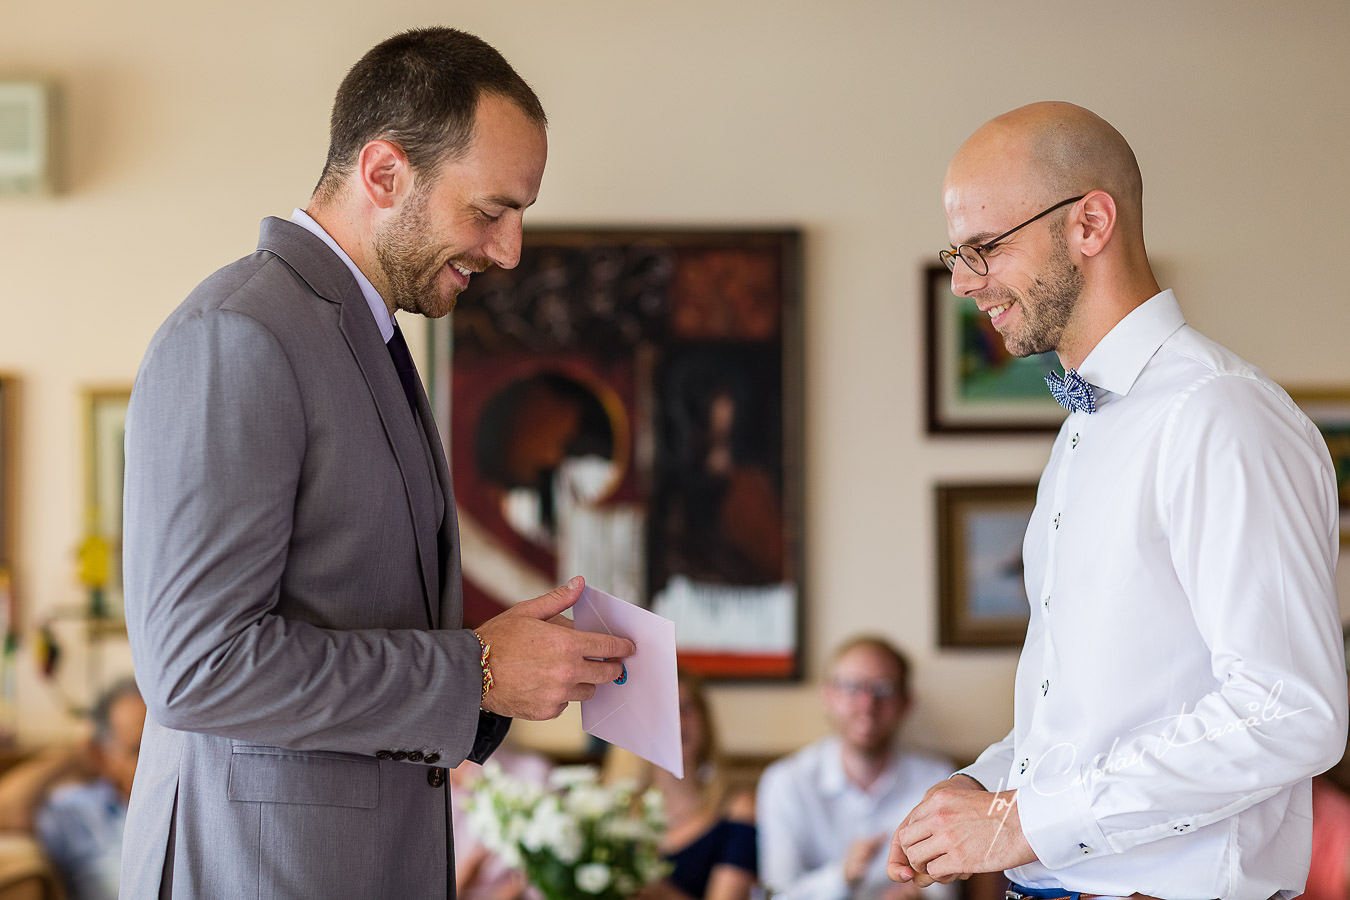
94, 559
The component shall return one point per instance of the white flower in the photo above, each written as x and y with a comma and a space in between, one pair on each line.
590, 801
625, 829
593, 877
541, 829
654, 805
483, 822
552, 829
568, 777
575, 820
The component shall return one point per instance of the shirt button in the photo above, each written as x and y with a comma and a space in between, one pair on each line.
1045, 687
1045, 603
1022, 766
1073, 442
436, 776
1057, 515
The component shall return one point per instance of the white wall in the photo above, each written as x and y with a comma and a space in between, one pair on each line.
186, 125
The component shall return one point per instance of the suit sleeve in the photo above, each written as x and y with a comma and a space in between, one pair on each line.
215, 451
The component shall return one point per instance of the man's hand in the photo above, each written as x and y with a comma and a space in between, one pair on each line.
859, 855
540, 663
957, 830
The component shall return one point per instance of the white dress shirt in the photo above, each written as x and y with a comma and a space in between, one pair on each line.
809, 813
1183, 674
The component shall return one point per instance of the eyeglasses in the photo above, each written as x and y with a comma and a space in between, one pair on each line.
877, 690
973, 254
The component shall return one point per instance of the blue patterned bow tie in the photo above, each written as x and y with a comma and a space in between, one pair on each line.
1072, 392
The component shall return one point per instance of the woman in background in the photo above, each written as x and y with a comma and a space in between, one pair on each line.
710, 831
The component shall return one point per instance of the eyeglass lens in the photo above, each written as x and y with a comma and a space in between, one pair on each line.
877, 690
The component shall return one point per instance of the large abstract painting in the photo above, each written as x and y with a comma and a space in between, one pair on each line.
626, 404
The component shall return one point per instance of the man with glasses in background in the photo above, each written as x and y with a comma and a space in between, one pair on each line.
826, 812
1182, 677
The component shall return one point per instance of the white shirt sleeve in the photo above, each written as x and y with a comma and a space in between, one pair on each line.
991, 767
784, 833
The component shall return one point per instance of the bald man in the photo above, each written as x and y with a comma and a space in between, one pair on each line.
1181, 679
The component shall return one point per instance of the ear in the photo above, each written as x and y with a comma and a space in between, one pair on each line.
383, 173
1095, 223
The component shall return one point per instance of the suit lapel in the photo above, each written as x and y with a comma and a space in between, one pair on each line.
421, 464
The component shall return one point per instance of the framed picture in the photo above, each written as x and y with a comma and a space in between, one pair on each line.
1329, 408
626, 404
9, 485
974, 384
982, 600
100, 561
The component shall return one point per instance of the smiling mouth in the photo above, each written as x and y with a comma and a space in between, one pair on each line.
996, 311
461, 270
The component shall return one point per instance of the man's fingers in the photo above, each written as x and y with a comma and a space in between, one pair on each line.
897, 864
546, 606
602, 671
596, 646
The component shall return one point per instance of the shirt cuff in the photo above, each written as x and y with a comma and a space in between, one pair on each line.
492, 730
1057, 822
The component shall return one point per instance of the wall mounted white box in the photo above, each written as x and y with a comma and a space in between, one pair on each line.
27, 157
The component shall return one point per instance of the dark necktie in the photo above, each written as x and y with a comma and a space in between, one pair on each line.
403, 363
1072, 391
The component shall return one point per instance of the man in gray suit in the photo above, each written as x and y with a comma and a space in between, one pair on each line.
292, 564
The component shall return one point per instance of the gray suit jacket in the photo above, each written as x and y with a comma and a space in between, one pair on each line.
293, 598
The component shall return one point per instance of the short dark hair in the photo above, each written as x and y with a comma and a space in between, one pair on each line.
885, 648
101, 714
420, 90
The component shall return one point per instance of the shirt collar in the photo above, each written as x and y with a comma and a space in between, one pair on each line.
373, 299
834, 781
1115, 363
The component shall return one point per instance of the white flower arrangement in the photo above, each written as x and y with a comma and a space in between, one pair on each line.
574, 838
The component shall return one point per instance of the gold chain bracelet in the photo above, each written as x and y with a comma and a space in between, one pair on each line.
487, 669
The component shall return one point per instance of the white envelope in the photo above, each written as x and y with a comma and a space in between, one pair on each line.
643, 713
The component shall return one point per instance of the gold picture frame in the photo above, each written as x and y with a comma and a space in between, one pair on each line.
105, 414
982, 601
9, 504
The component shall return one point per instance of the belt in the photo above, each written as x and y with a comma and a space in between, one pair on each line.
1017, 892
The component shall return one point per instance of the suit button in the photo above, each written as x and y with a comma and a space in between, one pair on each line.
415, 756
432, 758
436, 776
382, 754
399, 756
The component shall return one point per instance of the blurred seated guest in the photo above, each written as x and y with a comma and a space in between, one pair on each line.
74, 798
710, 830
479, 873
827, 812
